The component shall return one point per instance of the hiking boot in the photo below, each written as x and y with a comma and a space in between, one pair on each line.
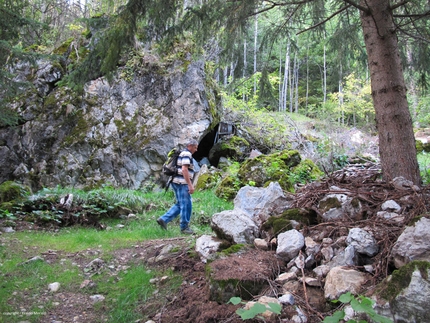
187, 230
162, 223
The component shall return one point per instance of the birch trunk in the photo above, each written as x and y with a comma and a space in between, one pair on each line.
244, 67
255, 52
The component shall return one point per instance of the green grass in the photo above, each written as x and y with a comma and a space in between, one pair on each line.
22, 282
130, 290
126, 292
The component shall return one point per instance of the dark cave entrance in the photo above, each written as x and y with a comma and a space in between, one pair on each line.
211, 138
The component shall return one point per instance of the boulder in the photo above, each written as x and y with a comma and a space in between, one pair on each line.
362, 241
289, 244
422, 138
340, 280
337, 206
207, 246
231, 146
412, 244
260, 203
264, 169
234, 226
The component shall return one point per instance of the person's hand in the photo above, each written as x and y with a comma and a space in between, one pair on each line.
191, 189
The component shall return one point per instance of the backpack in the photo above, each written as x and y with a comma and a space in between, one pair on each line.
170, 167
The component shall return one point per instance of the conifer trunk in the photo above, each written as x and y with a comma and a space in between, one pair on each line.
396, 138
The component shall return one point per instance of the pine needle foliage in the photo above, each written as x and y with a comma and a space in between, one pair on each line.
119, 35
16, 34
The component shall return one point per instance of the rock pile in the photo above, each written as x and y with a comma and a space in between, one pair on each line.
350, 233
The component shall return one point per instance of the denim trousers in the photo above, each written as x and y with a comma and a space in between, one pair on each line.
183, 206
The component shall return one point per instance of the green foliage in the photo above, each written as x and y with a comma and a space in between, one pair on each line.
255, 309
360, 304
86, 207
8, 117
422, 111
18, 31
5, 213
354, 105
424, 164
92, 208
228, 187
305, 172
341, 160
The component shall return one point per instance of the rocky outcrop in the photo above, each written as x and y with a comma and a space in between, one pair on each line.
116, 133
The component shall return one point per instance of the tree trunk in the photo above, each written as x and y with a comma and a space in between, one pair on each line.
307, 78
285, 81
393, 120
244, 69
291, 82
280, 78
255, 52
296, 86
325, 76
342, 114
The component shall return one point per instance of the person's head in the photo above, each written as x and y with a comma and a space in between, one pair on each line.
192, 145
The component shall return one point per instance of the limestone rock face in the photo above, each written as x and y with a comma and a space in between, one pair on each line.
404, 295
116, 133
411, 305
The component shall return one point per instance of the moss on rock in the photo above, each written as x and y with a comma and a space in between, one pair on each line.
306, 172
232, 147
329, 203
281, 223
284, 167
400, 279
228, 188
11, 191
204, 182
264, 169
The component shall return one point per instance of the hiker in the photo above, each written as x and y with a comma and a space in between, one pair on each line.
182, 185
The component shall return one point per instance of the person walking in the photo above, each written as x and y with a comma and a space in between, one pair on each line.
182, 185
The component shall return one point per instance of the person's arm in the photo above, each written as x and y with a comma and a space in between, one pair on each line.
187, 178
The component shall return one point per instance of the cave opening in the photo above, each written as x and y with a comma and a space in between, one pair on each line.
211, 138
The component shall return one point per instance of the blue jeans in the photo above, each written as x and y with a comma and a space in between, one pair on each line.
182, 206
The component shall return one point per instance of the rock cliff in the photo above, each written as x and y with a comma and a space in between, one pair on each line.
116, 133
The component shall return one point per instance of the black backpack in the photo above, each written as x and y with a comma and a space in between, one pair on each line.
170, 167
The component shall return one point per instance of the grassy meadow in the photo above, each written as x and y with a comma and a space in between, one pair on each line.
24, 284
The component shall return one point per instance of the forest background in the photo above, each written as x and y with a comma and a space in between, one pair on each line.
306, 57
